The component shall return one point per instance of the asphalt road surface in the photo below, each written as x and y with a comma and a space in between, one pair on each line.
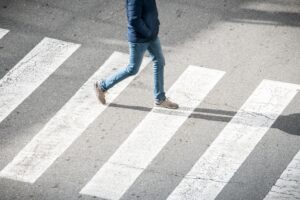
232, 65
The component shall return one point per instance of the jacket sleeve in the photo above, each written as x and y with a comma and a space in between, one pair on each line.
135, 18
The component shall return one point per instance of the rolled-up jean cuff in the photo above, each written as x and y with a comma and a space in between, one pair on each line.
158, 101
101, 85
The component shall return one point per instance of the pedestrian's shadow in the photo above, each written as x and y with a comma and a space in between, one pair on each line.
287, 123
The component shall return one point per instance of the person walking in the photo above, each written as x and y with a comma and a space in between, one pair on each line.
143, 28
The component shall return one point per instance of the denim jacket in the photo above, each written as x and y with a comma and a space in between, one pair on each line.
143, 22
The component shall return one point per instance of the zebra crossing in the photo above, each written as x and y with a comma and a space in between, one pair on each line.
208, 176
31, 72
3, 32
65, 127
287, 186
147, 140
236, 141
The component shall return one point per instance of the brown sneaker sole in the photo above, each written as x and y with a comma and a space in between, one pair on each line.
168, 107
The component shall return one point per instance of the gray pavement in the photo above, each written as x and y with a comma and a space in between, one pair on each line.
249, 40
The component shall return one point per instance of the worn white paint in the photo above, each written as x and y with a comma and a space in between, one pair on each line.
66, 126
236, 141
288, 185
3, 32
151, 135
31, 72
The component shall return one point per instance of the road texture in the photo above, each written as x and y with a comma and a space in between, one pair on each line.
249, 40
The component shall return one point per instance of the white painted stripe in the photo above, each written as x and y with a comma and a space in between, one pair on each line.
3, 32
66, 126
151, 135
236, 141
288, 185
31, 72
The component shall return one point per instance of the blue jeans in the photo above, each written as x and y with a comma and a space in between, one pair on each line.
137, 51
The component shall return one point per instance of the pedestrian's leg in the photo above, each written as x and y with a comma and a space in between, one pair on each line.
137, 51
158, 59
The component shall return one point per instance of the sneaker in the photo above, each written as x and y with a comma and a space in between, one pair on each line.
167, 103
100, 93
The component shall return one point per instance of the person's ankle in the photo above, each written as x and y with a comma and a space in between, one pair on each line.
99, 85
159, 101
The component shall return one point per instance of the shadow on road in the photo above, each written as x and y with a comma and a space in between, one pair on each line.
264, 17
287, 123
